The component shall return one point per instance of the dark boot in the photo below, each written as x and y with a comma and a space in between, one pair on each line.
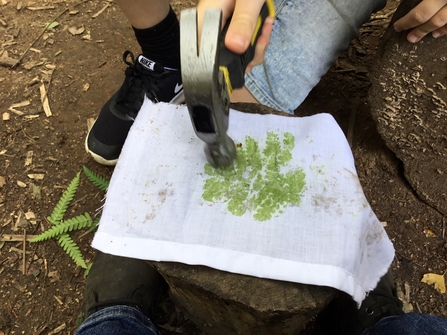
115, 280
342, 317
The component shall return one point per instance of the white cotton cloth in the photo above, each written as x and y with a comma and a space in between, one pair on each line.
326, 234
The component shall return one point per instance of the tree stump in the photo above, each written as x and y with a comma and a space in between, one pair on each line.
408, 102
219, 302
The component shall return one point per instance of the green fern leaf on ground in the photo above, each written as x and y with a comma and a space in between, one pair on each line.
60, 228
97, 180
52, 221
71, 248
66, 198
87, 270
78, 222
94, 225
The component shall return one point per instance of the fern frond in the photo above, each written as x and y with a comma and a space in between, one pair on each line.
78, 222
94, 225
52, 221
87, 270
72, 249
66, 198
97, 180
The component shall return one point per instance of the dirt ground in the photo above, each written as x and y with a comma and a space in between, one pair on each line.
79, 63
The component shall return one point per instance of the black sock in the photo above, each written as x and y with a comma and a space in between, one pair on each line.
161, 43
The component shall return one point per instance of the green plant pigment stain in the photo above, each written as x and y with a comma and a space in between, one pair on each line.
255, 182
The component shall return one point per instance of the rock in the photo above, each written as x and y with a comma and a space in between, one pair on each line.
225, 303
408, 100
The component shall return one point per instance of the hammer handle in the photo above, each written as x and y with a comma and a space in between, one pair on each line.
233, 65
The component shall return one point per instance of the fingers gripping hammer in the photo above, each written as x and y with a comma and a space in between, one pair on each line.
210, 72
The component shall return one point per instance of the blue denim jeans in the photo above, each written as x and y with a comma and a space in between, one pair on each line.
307, 38
409, 324
123, 320
117, 320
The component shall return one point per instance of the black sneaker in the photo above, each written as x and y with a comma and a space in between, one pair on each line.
115, 280
143, 78
342, 317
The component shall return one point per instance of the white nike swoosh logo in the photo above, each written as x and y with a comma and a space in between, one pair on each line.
178, 88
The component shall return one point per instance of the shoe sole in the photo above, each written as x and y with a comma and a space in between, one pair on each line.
177, 100
96, 157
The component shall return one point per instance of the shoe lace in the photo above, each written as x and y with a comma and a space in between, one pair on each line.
138, 83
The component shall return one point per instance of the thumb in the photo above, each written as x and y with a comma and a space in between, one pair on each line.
243, 24
226, 6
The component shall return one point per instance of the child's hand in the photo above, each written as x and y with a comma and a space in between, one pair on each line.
430, 16
244, 15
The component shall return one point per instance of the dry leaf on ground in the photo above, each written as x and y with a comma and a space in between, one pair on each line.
31, 217
29, 158
76, 31
404, 296
21, 183
37, 176
434, 279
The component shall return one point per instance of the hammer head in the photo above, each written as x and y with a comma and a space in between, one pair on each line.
206, 92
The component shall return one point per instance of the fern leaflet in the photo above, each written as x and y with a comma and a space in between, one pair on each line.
94, 225
71, 248
97, 180
64, 201
78, 222
52, 221
87, 270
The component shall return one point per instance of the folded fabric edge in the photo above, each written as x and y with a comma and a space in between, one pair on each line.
234, 262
